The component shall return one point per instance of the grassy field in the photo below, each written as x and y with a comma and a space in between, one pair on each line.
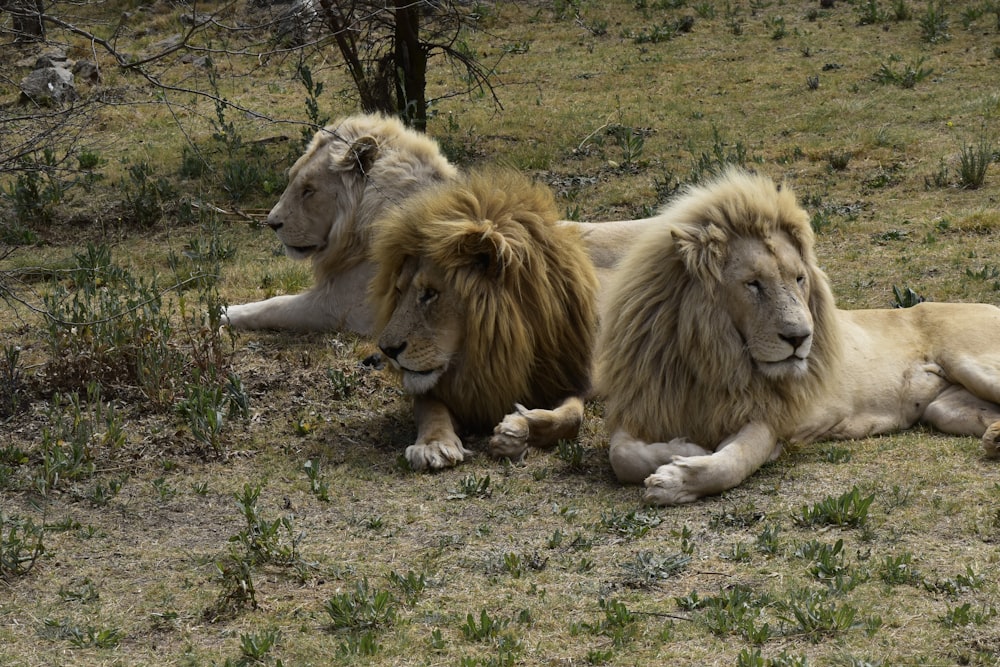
175, 495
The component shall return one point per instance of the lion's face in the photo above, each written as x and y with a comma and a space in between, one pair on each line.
765, 286
424, 336
324, 187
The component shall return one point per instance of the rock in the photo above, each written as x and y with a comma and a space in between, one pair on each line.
48, 86
87, 71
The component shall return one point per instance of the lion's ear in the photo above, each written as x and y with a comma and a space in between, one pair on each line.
702, 247
488, 252
361, 154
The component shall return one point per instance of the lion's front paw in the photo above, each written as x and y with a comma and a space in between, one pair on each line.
436, 454
510, 437
668, 486
991, 441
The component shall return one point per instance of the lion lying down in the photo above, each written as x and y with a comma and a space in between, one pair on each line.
352, 173
485, 303
721, 339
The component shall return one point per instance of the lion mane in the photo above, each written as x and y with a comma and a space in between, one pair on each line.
671, 362
526, 282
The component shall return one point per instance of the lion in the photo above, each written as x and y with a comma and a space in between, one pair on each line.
721, 340
485, 303
353, 172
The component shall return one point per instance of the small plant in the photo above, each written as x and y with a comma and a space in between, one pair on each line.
262, 539
964, 614
21, 545
649, 568
905, 76
572, 453
896, 570
905, 297
954, 586
364, 608
411, 586
203, 408
767, 541
146, 197
838, 160
870, 13
487, 628
632, 524
618, 623
11, 383
472, 486
256, 646
630, 140
974, 160
313, 90
934, 23
813, 614
317, 485
238, 590
849, 510
686, 534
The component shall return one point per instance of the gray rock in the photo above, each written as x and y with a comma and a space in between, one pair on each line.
49, 86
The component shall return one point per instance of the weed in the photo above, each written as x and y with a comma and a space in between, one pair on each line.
934, 23
870, 13
777, 26
906, 76
767, 541
238, 590
813, 614
849, 510
364, 608
411, 586
487, 628
901, 11
630, 524
472, 486
905, 297
11, 382
21, 545
572, 453
89, 637
618, 623
262, 539
649, 568
256, 646
364, 644
718, 158
203, 410
896, 570
82, 591
102, 493
974, 160
964, 614
341, 382
752, 657
736, 610
36, 191
838, 160
953, 586
835, 454
317, 485
313, 90
685, 533
146, 198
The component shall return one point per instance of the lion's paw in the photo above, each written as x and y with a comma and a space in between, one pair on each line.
667, 486
991, 441
436, 454
510, 437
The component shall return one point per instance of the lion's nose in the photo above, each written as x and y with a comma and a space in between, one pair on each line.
392, 351
794, 340
274, 223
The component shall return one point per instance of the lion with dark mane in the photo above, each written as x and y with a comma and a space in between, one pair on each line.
721, 339
485, 304
353, 172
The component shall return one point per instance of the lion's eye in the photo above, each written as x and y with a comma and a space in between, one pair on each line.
307, 192
427, 295
754, 286
802, 281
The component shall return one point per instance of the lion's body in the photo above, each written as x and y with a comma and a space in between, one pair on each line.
354, 171
721, 338
485, 301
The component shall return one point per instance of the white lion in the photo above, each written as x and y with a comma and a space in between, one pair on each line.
352, 173
721, 339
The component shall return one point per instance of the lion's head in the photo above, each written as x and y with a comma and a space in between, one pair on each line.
483, 299
349, 175
718, 317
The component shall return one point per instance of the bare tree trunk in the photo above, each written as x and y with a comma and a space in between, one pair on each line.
411, 65
27, 19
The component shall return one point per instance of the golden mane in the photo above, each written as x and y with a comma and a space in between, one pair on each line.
671, 363
528, 287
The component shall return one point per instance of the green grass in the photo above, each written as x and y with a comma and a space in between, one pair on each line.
173, 495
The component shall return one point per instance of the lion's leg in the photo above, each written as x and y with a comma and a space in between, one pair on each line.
437, 445
688, 478
525, 428
634, 460
959, 412
338, 303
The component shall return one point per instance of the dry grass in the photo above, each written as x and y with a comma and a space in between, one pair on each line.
544, 548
